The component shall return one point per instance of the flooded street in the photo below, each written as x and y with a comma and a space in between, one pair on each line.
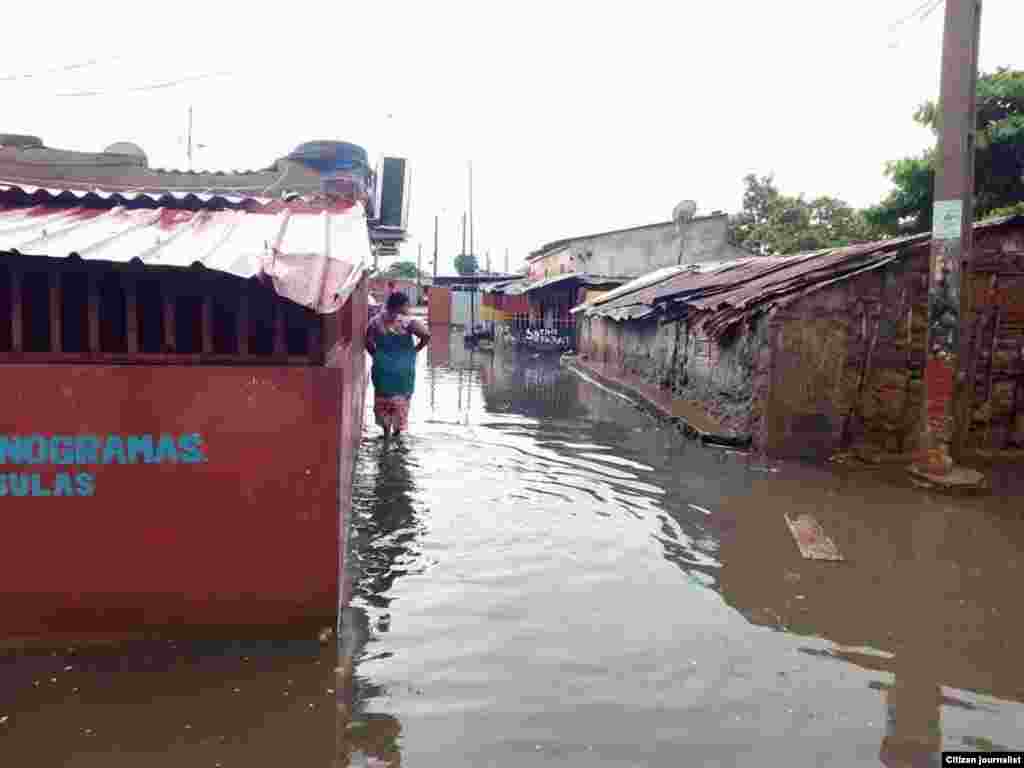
540, 575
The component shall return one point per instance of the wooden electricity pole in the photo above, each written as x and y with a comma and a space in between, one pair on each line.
945, 420
419, 273
463, 233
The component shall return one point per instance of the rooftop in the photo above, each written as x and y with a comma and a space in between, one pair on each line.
729, 292
544, 250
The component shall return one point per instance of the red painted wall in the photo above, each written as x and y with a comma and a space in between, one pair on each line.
249, 537
439, 306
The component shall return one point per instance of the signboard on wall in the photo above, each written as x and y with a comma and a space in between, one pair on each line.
947, 219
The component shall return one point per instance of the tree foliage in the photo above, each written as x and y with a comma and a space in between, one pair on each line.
772, 223
999, 160
466, 264
403, 270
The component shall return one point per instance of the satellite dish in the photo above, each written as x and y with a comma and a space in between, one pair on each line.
128, 149
682, 214
684, 211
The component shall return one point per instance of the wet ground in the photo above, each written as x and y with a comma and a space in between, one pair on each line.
541, 576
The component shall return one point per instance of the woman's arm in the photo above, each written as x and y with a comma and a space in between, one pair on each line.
421, 332
371, 337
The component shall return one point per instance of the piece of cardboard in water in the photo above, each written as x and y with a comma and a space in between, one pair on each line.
811, 539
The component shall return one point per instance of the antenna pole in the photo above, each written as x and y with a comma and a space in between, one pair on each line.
190, 138
472, 244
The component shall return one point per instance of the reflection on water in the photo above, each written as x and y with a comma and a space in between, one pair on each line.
539, 575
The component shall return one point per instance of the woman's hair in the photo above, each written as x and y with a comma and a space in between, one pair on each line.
397, 301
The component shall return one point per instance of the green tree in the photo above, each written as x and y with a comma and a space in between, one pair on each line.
999, 160
772, 223
466, 264
405, 270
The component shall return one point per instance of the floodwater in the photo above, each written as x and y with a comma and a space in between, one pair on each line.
539, 575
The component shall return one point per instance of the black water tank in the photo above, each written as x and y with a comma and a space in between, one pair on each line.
21, 141
392, 191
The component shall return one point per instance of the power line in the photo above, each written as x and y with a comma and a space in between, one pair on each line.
57, 70
933, 9
149, 87
922, 11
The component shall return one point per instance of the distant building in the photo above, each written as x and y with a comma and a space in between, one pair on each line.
638, 250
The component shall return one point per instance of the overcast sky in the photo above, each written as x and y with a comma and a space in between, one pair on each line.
578, 117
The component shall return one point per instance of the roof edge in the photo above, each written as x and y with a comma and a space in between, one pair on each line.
555, 244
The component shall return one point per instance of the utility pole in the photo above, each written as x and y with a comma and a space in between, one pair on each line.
506, 261
463, 233
435, 247
190, 138
945, 418
488, 261
419, 273
472, 244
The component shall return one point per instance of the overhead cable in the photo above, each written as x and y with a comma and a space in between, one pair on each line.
56, 70
149, 87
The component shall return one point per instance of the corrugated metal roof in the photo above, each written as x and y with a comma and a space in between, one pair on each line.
581, 277
57, 195
510, 287
314, 257
633, 299
734, 291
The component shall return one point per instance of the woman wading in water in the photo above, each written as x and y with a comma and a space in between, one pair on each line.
389, 340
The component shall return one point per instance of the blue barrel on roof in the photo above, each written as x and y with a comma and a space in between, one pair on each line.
328, 157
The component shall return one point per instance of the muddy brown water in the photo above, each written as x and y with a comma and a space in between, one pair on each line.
539, 575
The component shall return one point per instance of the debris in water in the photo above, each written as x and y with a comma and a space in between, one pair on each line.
811, 538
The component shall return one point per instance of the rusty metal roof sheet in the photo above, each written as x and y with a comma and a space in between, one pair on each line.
733, 291
631, 301
583, 278
313, 257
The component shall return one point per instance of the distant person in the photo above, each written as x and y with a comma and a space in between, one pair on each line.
389, 340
